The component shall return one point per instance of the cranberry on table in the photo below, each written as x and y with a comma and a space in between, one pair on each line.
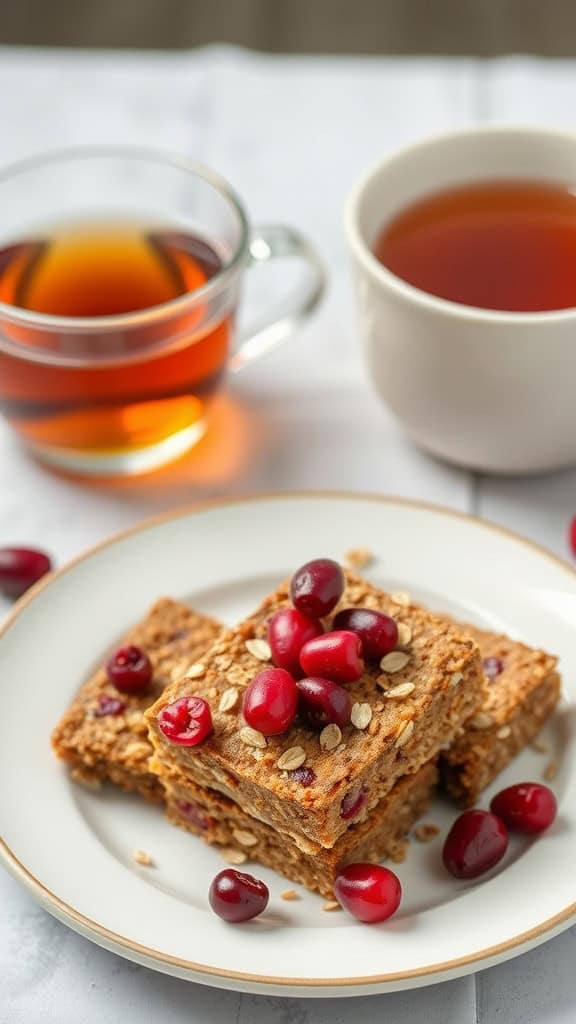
271, 701
236, 896
130, 670
474, 844
317, 587
336, 655
526, 807
288, 631
20, 568
378, 632
186, 721
322, 702
370, 892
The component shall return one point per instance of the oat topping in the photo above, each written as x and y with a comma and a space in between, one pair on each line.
232, 855
401, 597
292, 758
358, 558
404, 634
244, 838
400, 691
330, 737
395, 661
229, 699
195, 671
504, 732
425, 832
361, 716
251, 737
259, 649
143, 858
404, 733
456, 678
482, 720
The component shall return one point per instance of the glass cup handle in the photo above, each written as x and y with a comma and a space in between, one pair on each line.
277, 242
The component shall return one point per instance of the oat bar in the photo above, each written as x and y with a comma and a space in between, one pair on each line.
415, 705
523, 688
103, 735
220, 821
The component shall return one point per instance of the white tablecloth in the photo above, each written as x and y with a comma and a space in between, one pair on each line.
291, 134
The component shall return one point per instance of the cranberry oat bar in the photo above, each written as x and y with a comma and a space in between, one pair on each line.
220, 821
103, 735
407, 709
523, 688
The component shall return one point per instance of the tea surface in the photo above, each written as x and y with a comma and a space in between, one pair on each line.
503, 245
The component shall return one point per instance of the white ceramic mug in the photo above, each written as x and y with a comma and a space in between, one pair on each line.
490, 390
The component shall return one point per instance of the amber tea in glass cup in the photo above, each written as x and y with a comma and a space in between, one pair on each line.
120, 276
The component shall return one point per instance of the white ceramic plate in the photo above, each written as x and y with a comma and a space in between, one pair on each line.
73, 849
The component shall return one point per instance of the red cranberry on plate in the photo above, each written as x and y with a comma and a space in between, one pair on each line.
235, 896
186, 721
322, 702
317, 587
20, 568
378, 632
288, 631
336, 656
270, 701
526, 807
474, 844
130, 670
370, 892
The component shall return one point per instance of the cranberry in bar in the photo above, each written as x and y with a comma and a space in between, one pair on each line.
322, 702
130, 670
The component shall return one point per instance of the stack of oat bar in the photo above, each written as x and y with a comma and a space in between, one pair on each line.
308, 802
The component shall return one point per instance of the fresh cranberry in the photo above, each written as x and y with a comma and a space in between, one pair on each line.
378, 632
186, 721
572, 536
194, 814
336, 656
130, 670
288, 631
493, 666
270, 701
474, 844
20, 568
108, 705
317, 587
304, 776
526, 807
321, 702
236, 896
353, 803
370, 892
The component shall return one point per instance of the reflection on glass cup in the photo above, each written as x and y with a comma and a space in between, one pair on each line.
120, 276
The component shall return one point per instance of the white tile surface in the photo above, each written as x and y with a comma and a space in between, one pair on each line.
291, 134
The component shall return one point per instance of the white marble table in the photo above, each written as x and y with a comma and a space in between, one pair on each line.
291, 134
